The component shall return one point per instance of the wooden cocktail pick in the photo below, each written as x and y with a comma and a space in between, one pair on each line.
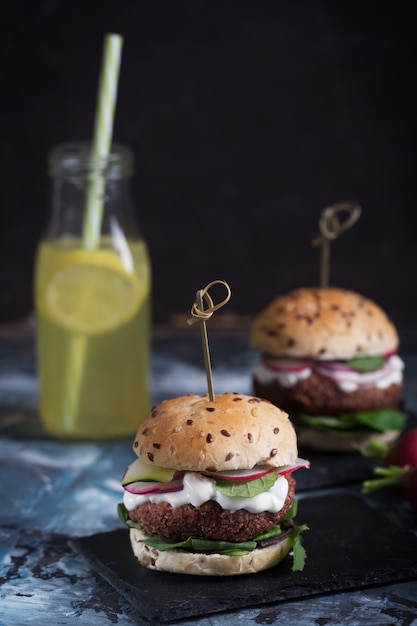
201, 315
331, 227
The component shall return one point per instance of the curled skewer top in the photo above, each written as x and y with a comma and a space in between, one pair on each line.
198, 311
331, 226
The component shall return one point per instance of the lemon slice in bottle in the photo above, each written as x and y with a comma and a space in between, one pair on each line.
90, 292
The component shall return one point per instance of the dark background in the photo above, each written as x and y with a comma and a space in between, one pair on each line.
247, 118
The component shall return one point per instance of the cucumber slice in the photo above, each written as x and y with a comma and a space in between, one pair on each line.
139, 471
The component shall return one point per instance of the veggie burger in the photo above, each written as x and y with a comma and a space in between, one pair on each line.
329, 357
212, 492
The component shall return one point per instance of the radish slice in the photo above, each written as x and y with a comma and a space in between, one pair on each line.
174, 485
258, 471
299, 463
140, 487
250, 474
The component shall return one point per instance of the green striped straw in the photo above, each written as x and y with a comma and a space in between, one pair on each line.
103, 131
102, 139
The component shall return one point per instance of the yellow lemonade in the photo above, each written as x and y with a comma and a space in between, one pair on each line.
93, 337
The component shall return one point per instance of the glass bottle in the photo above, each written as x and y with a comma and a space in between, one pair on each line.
92, 299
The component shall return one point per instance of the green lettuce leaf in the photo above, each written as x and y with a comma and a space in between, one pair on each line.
298, 551
382, 420
291, 513
202, 545
342, 425
246, 488
379, 420
273, 532
124, 516
366, 363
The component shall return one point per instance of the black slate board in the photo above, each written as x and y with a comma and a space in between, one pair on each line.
333, 469
349, 545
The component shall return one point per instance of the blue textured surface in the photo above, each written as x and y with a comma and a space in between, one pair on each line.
51, 490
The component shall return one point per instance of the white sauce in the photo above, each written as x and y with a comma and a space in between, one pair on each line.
199, 489
346, 380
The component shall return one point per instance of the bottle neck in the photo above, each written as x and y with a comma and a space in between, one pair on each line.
79, 182
76, 159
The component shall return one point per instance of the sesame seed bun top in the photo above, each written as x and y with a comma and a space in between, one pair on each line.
323, 323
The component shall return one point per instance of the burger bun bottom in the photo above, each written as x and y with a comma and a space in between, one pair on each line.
183, 562
328, 442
